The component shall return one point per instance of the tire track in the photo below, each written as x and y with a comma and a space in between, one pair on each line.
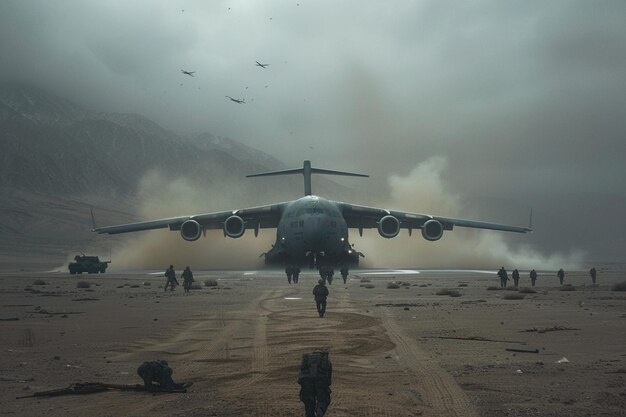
438, 389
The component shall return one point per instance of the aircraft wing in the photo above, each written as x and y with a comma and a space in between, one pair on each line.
255, 217
364, 217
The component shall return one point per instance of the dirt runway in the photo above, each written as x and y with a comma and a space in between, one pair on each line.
395, 352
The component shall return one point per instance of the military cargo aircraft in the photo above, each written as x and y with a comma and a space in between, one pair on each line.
258, 64
190, 73
311, 230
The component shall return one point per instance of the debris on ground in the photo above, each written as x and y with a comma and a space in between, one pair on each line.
548, 329
80, 388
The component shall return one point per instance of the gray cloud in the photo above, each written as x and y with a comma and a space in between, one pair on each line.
525, 100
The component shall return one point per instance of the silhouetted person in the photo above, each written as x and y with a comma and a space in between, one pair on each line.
515, 276
592, 272
157, 372
187, 276
533, 277
170, 274
344, 273
315, 379
320, 292
296, 274
561, 275
504, 277
289, 272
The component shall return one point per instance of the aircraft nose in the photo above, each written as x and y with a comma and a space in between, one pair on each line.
314, 236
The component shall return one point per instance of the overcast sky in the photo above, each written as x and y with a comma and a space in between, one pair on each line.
524, 102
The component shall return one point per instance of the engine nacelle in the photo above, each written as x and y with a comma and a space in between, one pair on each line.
389, 226
432, 230
234, 226
190, 230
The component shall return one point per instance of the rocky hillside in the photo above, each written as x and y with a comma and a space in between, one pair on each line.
58, 159
52, 146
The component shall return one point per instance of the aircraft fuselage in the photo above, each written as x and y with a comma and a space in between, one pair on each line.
312, 224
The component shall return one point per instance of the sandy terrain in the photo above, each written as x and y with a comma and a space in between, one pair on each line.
395, 352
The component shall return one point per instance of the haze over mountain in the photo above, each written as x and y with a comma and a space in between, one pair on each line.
53, 146
59, 159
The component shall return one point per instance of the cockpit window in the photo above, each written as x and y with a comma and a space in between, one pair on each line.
310, 211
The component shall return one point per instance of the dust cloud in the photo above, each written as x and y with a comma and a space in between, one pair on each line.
424, 190
162, 198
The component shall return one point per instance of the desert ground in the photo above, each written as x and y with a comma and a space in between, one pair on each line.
403, 351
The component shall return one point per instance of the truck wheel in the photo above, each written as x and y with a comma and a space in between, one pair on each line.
72, 272
102, 270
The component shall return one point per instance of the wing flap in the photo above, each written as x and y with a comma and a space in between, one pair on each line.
137, 227
364, 217
265, 216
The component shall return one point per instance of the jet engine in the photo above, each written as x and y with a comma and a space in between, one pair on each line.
432, 230
234, 226
389, 226
190, 230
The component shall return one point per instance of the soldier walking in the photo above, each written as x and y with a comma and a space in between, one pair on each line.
187, 276
296, 274
170, 274
561, 275
320, 292
315, 379
344, 273
592, 272
533, 277
515, 276
289, 272
504, 277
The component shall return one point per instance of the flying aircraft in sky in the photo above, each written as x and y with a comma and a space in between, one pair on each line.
310, 230
190, 73
258, 64
237, 100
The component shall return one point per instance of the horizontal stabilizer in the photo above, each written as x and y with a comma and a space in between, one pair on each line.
307, 170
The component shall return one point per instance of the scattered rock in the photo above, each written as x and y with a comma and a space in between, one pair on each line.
446, 291
515, 296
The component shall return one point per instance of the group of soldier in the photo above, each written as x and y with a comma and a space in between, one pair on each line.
504, 276
171, 281
315, 369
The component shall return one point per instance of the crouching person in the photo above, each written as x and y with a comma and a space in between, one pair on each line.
157, 375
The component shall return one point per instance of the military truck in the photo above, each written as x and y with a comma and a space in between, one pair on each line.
89, 264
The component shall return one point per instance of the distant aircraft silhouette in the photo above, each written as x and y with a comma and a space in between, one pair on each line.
190, 73
258, 64
238, 101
